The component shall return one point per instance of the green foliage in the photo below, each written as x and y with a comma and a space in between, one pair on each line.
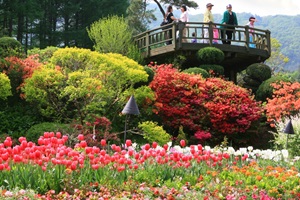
150, 73
83, 83
5, 87
135, 54
111, 35
265, 90
259, 71
154, 133
197, 70
138, 16
17, 119
292, 143
215, 70
210, 55
38, 130
251, 82
44, 55
10, 47
278, 60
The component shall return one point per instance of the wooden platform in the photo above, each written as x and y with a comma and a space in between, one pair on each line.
238, 56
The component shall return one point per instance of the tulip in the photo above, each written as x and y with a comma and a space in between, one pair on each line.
103, 142
80, 137
182, 143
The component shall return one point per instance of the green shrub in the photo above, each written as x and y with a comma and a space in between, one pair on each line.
251, 82
217, 69
154, 133
17, 118
10, 47
5, 86
265, 90
292, 143
210, 55
197, 70
150, 73
38, 130
43, 54
259, 71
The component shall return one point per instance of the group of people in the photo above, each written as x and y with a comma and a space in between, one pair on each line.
229, 19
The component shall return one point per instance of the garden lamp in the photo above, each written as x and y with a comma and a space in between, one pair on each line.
130, 108
288, 130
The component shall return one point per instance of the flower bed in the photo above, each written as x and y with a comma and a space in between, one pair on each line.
52, 170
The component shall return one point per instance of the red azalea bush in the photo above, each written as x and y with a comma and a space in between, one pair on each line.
231, 108
202, 105
179, 97
19, 69
285, 101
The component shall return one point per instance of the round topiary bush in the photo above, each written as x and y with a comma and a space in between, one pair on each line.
251, 82
10, 47
38, 130
265, 90
197, 70
259, 71
210, 55
217, 69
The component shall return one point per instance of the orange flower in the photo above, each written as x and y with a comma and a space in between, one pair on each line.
258, 178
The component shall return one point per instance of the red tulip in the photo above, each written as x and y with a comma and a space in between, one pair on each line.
182, 143
154, 145
80, 137
128, 143
103, 142
147, 147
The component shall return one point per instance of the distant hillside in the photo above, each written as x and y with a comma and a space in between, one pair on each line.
286, 29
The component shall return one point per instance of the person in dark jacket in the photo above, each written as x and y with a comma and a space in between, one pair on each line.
229, 18
169, 18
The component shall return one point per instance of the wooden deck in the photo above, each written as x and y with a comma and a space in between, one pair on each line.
239, 55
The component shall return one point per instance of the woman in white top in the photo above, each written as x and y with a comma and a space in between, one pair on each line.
184, 18
251, 31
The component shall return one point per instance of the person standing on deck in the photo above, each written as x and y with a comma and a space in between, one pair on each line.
207, 18
184, 18
229, 18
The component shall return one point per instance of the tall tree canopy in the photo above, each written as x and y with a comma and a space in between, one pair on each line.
42, 23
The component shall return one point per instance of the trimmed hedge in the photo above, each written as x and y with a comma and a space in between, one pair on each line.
259, 71
38, 130
251, 82
210, 55
217, 69
197, 70
265, 90
10, 47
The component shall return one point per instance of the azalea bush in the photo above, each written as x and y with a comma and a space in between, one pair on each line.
55, 171
202, 106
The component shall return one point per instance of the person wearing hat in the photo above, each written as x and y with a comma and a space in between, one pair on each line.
251, 31
229, 18
207, 18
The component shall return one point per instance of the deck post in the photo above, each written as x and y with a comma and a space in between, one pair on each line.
147, 44
247, 36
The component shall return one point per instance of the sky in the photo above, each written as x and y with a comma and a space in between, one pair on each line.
255, 7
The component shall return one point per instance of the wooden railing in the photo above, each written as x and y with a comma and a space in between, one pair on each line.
174, 34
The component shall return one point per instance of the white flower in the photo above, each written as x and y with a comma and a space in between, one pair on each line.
243, 150
231, 150
238, 153
207, 148
250, 148
285, 154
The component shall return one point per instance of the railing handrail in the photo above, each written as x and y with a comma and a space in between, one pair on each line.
160, 35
